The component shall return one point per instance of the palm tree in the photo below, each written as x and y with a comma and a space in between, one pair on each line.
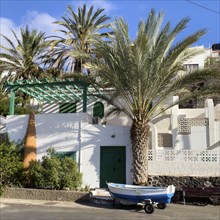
80, 32
145, 71
22, 59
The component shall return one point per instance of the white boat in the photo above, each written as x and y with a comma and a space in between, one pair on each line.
139, 194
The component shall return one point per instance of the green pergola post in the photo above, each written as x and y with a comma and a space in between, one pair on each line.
85, 88
12, 102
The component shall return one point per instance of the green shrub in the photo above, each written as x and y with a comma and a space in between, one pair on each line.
54, 173
10, 165
34, 177
69, 175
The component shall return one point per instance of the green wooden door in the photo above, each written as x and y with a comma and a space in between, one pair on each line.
112, 165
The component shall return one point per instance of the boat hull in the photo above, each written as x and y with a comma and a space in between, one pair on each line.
138, 194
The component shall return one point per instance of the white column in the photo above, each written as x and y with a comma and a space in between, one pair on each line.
209, 113
154, 137
174, 122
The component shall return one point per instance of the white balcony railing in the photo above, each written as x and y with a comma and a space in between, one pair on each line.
184, 163
205, 156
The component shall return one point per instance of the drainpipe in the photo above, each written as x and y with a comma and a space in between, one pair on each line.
12, 102
79, 138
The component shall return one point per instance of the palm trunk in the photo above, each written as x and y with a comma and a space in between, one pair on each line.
140, 135
30, 151
25, 98
78, 66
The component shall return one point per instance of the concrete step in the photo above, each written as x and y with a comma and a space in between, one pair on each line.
101, 197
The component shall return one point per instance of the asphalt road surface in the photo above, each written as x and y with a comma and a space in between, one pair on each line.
173, 211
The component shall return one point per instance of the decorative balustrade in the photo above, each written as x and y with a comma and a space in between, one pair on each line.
205, 156
185, 124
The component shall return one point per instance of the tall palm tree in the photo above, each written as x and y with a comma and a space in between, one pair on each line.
80, 31
145, 71
22, 59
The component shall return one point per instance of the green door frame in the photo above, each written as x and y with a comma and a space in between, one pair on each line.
117, 165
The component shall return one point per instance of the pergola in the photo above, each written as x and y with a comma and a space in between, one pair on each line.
62, 90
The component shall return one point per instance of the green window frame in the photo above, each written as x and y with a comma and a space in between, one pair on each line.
67, 107
70, 154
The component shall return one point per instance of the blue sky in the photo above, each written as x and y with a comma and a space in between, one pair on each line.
41, 13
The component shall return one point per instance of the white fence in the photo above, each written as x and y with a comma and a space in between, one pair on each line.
184, 162
184, 156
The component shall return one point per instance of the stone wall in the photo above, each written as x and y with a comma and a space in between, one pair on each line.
181, 181
42, 194
189, 181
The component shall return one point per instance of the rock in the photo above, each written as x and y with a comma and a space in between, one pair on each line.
207, 184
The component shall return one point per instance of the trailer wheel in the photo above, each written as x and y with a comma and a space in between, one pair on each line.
148, 208
161, 205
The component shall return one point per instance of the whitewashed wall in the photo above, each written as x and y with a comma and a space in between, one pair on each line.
191, 113
59, 131
94, 136
63, 132
2, 124
200, 58
197, 140
16, 127
183, 169
217, 131
73, 132
121, 119
217, 112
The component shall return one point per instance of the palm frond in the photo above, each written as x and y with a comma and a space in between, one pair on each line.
81, 29
146, 70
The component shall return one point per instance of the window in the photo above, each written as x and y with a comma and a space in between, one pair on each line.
71, 154
190, 67
98, 110
67, 107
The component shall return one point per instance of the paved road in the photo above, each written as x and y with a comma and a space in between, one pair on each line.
36, 212
180, 212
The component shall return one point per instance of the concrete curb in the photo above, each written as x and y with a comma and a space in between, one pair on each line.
5, 201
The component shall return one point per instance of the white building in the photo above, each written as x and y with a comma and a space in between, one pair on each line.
181, 138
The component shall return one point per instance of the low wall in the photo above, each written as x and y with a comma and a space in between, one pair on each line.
42, 194
179, 182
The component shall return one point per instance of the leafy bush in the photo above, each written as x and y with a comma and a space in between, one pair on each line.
69, 174
11, 164
54, 173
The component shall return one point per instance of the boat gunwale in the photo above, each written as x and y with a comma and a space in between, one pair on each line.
144, 188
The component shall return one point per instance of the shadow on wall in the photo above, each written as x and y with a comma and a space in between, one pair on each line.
61, 131
95, 136
16, 127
